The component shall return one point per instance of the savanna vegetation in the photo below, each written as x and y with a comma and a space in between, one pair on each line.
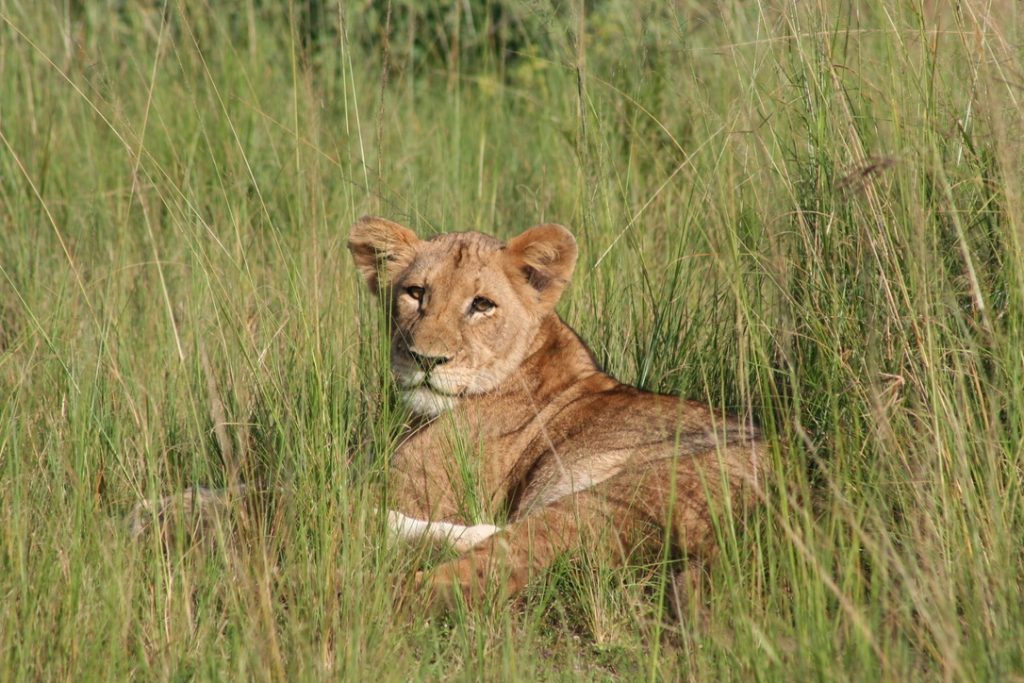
809, 211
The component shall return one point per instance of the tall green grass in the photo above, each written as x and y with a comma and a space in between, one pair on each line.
809, 211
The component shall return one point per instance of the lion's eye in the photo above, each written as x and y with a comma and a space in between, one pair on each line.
481, 305
415, 292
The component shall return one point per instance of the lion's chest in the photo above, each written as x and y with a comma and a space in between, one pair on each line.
454, 471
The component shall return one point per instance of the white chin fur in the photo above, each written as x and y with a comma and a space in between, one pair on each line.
426, 403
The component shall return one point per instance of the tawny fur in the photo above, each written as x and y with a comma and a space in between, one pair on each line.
561, 450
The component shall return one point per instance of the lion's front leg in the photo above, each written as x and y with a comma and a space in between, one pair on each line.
469, 580
506, 560
460, 537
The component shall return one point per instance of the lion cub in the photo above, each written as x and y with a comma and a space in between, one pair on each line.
500, 387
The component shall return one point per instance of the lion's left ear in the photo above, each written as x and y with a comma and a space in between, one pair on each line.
381, 248
546, 256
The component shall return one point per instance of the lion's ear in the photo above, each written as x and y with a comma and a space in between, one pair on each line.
545, 255
381, 248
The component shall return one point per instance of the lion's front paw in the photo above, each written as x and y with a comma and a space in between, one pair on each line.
452, 584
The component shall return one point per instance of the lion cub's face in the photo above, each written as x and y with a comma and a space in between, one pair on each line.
465, 307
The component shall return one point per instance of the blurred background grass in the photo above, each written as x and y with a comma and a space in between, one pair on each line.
811, 211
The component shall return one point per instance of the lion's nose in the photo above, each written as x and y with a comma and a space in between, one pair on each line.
428, 363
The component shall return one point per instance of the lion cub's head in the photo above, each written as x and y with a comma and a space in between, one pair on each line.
465, 307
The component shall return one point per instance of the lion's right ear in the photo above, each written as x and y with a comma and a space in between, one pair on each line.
381, 248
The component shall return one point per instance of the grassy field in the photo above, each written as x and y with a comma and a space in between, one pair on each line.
814, 211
